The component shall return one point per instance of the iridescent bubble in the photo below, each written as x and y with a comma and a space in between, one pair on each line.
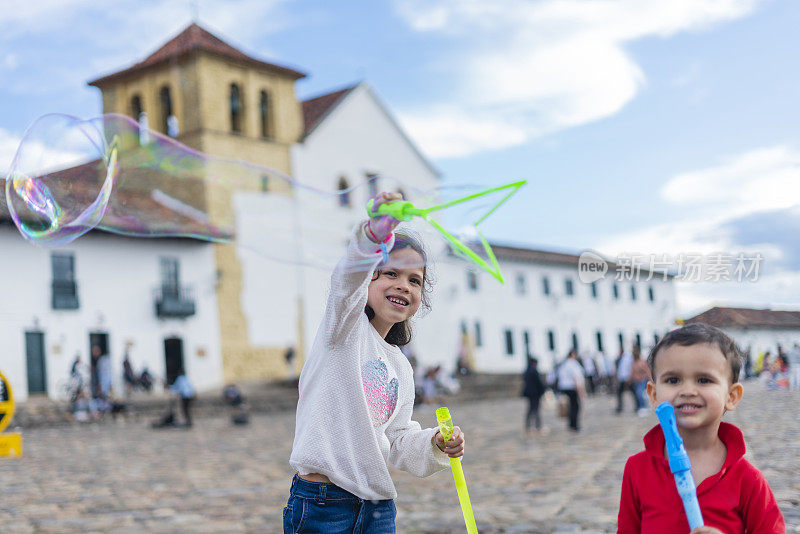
71, 176
40, 188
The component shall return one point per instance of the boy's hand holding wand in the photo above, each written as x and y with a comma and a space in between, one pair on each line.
681, 467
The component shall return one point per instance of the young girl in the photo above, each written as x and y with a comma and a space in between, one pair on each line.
357, 391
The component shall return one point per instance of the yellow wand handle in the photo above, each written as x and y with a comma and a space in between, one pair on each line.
446, 429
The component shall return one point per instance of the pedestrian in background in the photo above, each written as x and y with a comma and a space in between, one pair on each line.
128, 376
794, 367
640, 375
289, 355
624, 367
103, 364
533, 388
587, 361
184, 389
572, 383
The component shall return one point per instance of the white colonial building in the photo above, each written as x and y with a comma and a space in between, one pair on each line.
154, 298
543, 309
228, 312
755, 330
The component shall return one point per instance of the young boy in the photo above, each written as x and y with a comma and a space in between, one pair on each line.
696, 369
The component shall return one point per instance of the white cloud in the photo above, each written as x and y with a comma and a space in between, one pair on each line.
9, 62
762, 179
132, 21
447, 133
777, 291
9, 143
757, 182
544, 66
116, 35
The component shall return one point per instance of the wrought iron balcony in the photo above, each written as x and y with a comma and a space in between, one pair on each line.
173, 302
65, 295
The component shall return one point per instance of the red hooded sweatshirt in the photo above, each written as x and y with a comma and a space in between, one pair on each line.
735, 500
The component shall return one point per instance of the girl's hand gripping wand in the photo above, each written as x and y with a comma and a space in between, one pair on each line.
679, 464
404, 211
446, 428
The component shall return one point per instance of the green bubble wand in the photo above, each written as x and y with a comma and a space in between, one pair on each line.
446, 428
404, 210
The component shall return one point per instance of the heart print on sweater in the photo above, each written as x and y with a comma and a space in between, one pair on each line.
381, 393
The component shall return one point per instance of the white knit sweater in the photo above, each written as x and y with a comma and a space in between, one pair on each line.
357, 394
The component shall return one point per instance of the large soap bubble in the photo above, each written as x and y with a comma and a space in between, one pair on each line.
71, 176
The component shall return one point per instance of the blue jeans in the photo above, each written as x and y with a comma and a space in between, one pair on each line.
325, 508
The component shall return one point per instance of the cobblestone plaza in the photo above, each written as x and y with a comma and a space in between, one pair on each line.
124, 477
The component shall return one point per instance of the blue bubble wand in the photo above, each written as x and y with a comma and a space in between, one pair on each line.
404, 210
679, 464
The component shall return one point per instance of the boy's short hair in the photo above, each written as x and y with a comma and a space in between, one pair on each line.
696, 334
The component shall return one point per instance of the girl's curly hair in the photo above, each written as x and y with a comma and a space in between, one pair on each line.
400, 333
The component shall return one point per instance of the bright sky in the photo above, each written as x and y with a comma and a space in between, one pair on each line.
643, 126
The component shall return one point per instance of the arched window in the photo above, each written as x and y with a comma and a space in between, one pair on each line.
344, 193
236, 108
165, 99
265, 115
136, 107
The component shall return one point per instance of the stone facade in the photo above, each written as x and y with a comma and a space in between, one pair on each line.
200, 86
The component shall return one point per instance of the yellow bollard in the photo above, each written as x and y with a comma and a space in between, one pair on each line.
11, 443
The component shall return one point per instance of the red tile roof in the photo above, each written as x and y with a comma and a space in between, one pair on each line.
317, 108
189, 40
530, 255
747, 318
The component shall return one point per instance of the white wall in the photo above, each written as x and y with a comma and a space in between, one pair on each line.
500, 307
764, 339
116, 280
358, 137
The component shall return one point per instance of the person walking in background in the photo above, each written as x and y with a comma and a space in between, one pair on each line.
601, 372
146, 380
763, 363
624, 367
464, 358
794, 367
640, 375
533, 388
572, 383
288, 356
94, 379
431, 385
611, 372
587, 361
76, 378
103, 373
75, 369
184, 389
128, 376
